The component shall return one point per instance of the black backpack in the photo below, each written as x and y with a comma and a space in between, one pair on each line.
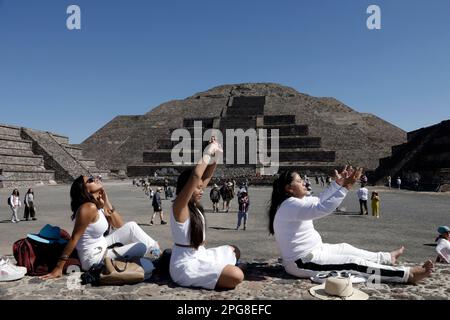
9, 201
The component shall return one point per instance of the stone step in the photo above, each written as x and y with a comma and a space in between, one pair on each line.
63, 140
76, 152
289, 130
287, 155
319, 156
88, 163
22, 160
9, 131
245, 111
299, 142
27, 175
206, 122
15, 143
21, 167
16, 152
243, 122
279, 119
65, 165
248, 102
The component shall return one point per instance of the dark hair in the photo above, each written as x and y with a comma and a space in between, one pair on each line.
374, 193
79, 195
30, 192
196, 223
279, 195
15, 192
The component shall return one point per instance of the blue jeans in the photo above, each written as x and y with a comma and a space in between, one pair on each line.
240, 216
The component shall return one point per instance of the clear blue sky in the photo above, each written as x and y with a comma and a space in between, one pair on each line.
130, 56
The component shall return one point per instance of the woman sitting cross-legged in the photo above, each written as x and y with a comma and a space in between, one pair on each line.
291, 217
93, 213
191, 264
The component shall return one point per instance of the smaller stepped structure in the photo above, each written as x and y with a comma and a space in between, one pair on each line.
29, 157
19, 166
423, 162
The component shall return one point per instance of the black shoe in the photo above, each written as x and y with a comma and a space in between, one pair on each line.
151, 222
163, 222
34, 219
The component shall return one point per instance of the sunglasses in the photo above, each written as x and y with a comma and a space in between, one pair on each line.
341, 274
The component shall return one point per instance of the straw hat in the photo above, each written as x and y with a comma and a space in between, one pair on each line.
338, 288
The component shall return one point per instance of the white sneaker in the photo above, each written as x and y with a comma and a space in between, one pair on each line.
18, 268
9, 272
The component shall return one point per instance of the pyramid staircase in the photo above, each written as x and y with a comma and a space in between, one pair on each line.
297, 150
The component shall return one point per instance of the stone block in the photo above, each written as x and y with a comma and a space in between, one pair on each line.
279, 119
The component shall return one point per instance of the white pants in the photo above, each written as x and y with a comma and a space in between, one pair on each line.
344, 257
136, 244
14, 214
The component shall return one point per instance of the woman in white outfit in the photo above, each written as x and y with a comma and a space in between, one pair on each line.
191, 264
14, 204
291, 217
93, 213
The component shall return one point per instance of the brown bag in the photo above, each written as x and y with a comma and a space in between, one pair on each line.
120, 272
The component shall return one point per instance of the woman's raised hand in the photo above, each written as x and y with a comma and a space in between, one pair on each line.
213, 150
348, 176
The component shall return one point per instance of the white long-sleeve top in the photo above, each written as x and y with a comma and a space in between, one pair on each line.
443, 249
293, 223
15, 201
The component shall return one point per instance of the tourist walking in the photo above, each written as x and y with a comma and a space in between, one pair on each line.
363, 196
291, 216
191, 264
227, 196
322, 181
214, 195
93, 213
14, 204
375, 201
30, 208
244, 205
157, 206
389, 181
399, 183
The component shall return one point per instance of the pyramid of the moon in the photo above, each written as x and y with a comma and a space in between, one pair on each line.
315, 134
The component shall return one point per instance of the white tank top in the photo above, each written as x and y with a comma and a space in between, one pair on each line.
181, 232
93, 236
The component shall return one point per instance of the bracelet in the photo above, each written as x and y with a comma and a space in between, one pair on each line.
64, 258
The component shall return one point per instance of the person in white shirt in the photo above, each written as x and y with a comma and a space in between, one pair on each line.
14, 204
304, 255
93, 214
363, 195
443, 244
